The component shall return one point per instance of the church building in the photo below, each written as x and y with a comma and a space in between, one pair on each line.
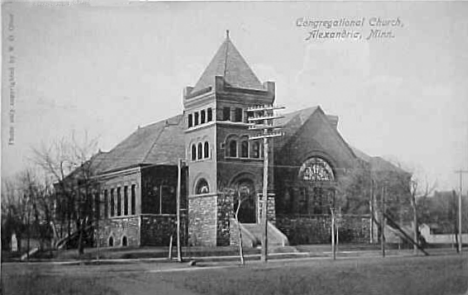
210, 139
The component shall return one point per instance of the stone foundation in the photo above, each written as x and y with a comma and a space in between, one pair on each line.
202, 225
315, 229
118, 228
156, 230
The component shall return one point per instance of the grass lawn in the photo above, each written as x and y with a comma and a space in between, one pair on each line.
410, 275
433, 275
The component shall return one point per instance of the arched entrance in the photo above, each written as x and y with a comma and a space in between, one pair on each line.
246, 196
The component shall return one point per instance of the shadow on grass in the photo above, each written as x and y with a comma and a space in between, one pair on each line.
36, 284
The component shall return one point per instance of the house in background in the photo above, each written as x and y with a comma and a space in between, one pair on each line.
138, 178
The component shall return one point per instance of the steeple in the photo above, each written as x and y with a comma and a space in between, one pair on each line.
229, 64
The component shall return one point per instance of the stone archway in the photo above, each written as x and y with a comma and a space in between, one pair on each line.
248, 207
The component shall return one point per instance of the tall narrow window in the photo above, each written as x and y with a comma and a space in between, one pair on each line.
200, 151
202, 117
194, 152
244, 149
106, 204
238, 115
119, 202
97, 205
196, 119
233, 148
190, 120
125, 200
133, 205
206, 150
210, 115
226, 114
112, 203
256, 149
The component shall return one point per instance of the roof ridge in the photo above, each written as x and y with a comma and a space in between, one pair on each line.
226, 56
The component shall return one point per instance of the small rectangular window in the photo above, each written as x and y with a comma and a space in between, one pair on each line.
190, 120
203, 117
226, 114
196, 119
210, 115
238, 115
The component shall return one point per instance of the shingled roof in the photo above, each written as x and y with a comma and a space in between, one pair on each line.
230, 64
160, 143
377, 164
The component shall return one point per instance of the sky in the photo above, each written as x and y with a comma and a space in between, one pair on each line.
106, 70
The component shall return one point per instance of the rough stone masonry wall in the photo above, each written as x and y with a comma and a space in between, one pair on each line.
202, 225
156, 230
117, 228
315, 229
225, 212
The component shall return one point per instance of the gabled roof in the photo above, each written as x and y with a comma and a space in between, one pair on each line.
230, 64
160, 143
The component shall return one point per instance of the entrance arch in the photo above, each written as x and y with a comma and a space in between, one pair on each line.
245, 190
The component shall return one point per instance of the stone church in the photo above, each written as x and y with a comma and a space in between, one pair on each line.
138, 178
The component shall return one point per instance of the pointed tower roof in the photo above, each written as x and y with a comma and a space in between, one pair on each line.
230, 64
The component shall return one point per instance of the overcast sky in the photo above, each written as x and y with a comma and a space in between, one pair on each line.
109, 69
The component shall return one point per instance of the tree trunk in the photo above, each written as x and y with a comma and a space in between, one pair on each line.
241, 246
333, 234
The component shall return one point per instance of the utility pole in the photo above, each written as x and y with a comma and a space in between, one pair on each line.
179, 183
262, 117
460, 243
383, 222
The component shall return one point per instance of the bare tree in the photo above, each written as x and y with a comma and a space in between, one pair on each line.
238, 195
417, 192
72, 165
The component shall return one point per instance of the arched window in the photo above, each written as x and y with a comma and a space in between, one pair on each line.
124, 241
202, 117
244, 149
206, 150
210, 115
233, 148
194, 152
316, 169
111, 242
200, 151
190, 120
255, 150
202, 187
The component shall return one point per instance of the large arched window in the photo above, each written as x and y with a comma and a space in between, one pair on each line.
202, 187
200, 151
316, 169
233, 148
244, 149
206, 150
194, 152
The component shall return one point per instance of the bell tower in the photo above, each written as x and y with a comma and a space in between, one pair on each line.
218, 152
